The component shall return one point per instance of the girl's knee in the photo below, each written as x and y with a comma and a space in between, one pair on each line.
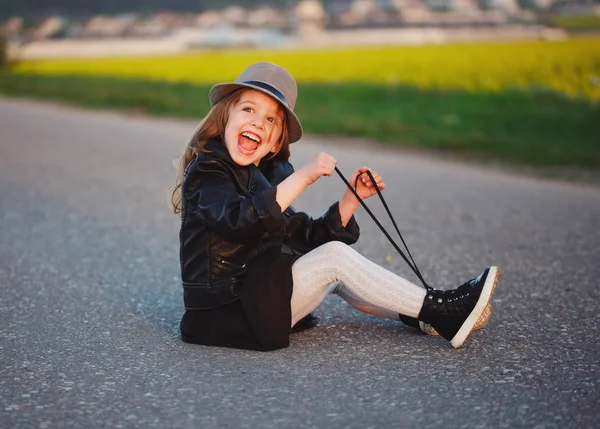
335, 247
329, 257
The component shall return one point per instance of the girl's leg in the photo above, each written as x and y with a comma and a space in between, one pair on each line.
336, 267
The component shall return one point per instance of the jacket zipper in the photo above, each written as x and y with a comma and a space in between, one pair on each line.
231, 264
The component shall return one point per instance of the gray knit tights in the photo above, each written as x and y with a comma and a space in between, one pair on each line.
337, 268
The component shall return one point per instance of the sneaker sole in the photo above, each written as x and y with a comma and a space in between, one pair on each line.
488, 289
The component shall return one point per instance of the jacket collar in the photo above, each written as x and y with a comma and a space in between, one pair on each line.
215, 149
218, 149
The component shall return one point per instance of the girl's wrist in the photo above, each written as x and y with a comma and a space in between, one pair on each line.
347, 205
349, 200
303, 177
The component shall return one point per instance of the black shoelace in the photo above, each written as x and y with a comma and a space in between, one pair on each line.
411, 263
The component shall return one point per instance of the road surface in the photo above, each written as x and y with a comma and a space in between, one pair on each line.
90, 295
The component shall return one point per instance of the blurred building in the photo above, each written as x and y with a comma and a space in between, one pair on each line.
147, 28
309, 18
412, 12
209, 19
108, 26
266, 17
235, 16
50, 27
13, 28
370, 13
305, 23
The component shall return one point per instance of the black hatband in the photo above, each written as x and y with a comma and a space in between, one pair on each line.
269, 88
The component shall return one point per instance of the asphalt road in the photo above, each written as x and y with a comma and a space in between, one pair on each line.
90, 295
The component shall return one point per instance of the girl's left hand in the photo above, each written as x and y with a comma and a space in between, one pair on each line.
364, 186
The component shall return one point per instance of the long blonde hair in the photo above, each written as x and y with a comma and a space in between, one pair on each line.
212, 126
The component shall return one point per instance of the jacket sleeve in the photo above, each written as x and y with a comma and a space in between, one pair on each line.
276, 171
232, 215
304, 233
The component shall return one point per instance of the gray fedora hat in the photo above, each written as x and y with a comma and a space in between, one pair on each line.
271, 79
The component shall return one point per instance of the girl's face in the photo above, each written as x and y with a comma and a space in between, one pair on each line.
254, 127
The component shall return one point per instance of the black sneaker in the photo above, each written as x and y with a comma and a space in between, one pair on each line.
426, 328
481, 322
454, 313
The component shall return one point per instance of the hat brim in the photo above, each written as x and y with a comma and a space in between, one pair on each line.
221, 90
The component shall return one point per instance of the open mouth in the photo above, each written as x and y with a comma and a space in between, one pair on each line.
248, 143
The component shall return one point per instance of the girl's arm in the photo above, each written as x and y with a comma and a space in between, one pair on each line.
324, 165
288, 190
348, 204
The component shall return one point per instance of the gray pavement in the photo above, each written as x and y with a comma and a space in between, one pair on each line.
90, 298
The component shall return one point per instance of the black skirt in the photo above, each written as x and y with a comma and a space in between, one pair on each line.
260, 320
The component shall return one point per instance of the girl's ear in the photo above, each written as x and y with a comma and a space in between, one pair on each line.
275, 147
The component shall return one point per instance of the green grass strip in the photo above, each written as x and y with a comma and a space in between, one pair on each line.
527, 128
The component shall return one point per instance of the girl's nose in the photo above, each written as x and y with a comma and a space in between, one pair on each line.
258, 123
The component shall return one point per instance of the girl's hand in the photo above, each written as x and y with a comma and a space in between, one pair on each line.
321, 165
364, 186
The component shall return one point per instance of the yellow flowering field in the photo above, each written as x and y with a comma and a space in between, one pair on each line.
571, 67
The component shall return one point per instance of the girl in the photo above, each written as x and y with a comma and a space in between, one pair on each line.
252, 267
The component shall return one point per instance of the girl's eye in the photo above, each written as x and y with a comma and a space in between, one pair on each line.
248, 109
271, 119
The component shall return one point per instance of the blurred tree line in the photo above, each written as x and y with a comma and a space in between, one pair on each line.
71, 8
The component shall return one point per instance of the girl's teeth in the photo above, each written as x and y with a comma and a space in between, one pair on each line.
250, 137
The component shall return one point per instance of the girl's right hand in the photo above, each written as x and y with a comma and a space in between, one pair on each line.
321, 165
288, 190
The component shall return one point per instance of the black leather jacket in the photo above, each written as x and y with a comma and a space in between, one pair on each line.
229, 215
